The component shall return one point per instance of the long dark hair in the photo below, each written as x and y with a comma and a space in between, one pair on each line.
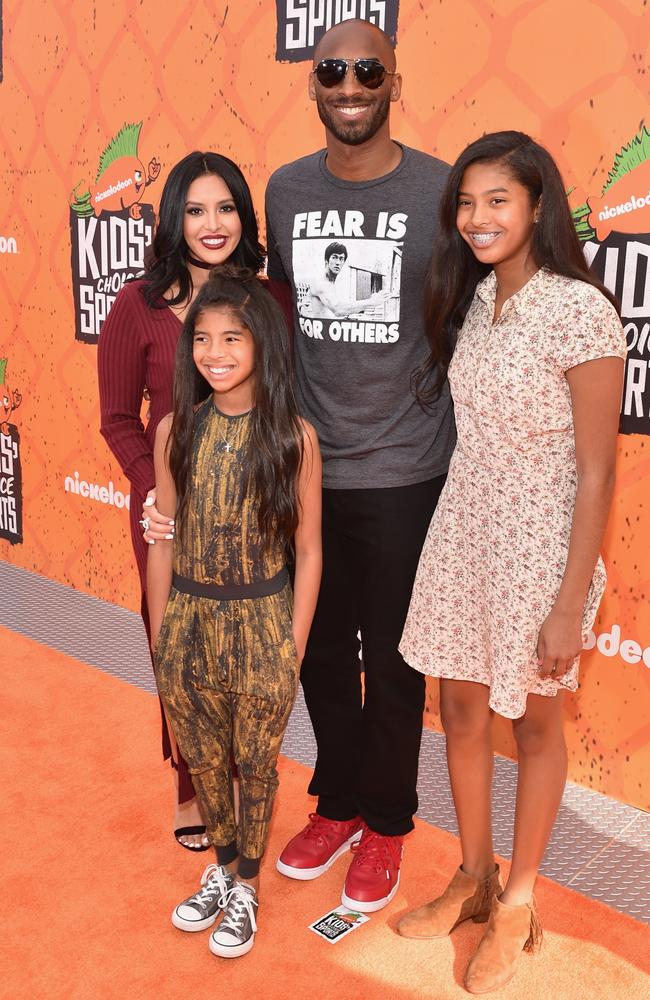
275, 448
167, 265
455, 272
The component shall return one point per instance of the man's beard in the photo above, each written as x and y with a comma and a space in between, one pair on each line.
355, 133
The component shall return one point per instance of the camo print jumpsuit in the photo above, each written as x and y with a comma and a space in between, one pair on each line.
226, 663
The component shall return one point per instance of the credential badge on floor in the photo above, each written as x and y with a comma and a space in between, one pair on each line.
337, 923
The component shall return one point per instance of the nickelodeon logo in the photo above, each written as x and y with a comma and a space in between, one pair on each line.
95, 491
113, 189
8, 244
631, 205
609, 644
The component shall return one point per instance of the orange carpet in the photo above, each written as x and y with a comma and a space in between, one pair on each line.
90, 875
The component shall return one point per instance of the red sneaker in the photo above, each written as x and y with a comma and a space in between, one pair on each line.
373, 876
312, 851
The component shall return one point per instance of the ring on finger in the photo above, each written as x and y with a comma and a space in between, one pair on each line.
145, 523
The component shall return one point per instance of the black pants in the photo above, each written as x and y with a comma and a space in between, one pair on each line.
367, 748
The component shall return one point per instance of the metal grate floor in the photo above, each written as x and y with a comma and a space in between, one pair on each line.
599, 847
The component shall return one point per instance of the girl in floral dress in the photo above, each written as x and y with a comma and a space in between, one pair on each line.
510, 575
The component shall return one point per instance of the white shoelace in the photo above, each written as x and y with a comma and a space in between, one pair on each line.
239, 903
214, 883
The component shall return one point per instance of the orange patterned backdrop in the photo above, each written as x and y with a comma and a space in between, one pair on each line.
203, 74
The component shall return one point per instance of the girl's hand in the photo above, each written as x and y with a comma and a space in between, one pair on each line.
558, 643
157, 528
301, 646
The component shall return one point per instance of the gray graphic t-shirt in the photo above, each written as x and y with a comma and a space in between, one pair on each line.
356, 254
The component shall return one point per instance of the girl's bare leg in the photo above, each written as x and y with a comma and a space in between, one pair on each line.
467, 721
540, 783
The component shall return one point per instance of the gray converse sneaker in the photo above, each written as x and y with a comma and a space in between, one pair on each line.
235, 935
202, 909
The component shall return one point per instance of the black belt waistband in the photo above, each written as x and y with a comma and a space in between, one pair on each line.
233, 591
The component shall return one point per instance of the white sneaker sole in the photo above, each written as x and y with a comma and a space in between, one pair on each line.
306, 874
365, 906
193, 925
230, 951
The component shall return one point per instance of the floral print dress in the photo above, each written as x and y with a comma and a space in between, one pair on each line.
496, 550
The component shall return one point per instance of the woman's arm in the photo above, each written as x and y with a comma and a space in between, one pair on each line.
595, 399
281, 292
309, 557
121, 364
159, 557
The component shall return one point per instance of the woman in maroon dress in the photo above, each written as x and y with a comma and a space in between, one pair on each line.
206, 218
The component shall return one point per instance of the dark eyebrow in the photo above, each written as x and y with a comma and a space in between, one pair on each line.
238, 329
491, 191
227, 333
224, 201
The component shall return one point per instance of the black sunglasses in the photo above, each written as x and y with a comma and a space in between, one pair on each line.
369, 72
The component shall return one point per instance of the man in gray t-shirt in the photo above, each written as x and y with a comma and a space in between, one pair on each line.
350, 233
358, 323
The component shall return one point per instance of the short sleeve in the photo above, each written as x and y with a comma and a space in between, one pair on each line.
590, 328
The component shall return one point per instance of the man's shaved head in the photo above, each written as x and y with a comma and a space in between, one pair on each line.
350, 112
356, 39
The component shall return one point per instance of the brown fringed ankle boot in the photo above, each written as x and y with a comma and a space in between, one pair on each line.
464, 898
510, 930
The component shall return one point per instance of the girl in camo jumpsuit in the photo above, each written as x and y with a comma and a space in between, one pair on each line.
240, 471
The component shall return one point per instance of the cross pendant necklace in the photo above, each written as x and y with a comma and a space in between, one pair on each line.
227, 442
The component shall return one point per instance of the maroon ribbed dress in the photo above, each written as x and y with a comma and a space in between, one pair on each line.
137, 348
